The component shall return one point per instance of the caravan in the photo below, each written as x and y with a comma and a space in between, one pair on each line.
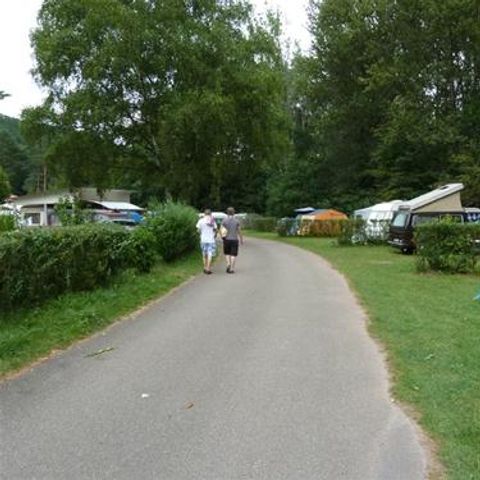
378, 218
444, 202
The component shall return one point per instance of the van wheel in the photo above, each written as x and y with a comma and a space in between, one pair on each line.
407, 250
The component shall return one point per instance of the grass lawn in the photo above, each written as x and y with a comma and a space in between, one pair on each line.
430, 327
29, 334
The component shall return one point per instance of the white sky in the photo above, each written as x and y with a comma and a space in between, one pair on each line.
18, 17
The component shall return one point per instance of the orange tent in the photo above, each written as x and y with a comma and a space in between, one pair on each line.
327, 214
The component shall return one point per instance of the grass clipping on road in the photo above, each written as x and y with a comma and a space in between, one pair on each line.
430, 327
27, 335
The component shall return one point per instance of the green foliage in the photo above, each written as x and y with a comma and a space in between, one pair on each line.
287, 227
37, 264
352, 232
14, 161
70, 212
173, 227
386, 105
260, 224
7, 223
446, 246
194, 90
5, 188
139, 249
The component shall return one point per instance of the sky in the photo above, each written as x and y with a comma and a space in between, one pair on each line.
18, 18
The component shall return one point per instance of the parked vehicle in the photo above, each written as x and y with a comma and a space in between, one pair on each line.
402, 228
443, 202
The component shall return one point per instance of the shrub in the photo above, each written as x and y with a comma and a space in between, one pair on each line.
288, 227
261, 224
320, 228
447, 246
71, 213
173, 228
7, 223
37, 264
352, 232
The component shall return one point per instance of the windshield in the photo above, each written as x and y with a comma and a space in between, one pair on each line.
400, 219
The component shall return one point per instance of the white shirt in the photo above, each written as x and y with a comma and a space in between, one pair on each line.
207, 228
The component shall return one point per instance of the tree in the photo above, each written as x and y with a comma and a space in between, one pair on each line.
392, 100
14, 161
187, 97
5, 189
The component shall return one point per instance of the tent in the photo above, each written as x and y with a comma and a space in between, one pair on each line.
325, 214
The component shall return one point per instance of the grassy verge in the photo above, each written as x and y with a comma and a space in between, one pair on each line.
430, 327
29, 334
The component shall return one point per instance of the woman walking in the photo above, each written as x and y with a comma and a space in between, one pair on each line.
231, 238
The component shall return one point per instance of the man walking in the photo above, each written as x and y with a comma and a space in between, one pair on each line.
231, 237
207, 228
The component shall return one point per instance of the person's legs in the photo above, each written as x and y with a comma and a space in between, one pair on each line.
205, 257
226, 252
233, 255
210, 252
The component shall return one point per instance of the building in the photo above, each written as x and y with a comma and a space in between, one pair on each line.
38, 209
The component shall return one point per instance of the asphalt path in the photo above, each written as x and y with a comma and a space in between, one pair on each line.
265, 374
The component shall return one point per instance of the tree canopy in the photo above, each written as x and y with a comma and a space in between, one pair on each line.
186, 98
193, 100
387, 103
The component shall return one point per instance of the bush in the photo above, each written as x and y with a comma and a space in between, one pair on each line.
7, 223
288, 227
37, 264
261, 224
447, 246
352, 232
173, 228
320, 228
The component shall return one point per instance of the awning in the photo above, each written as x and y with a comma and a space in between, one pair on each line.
120, 206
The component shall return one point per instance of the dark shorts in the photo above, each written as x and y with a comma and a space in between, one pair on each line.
230, 247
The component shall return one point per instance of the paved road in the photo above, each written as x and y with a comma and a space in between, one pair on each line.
265, 374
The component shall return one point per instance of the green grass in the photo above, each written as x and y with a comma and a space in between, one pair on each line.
29, 334
430, 327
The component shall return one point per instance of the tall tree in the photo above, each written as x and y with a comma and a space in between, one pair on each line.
392, 94
183, 96
5, 188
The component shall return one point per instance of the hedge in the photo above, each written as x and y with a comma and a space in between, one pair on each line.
37, 264
446, 246
173, 228
259, 223
347, 231
7, 223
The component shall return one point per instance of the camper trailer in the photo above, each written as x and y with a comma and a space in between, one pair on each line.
438, 204
378, 218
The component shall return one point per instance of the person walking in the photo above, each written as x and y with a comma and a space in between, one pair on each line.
232, 236
207, 228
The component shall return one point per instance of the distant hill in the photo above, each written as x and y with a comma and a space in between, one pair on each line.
12, 127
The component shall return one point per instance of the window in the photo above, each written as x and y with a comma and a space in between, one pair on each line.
400, 219
32, 218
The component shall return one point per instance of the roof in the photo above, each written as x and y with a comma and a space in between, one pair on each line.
86, 194
119, 206
434, 196
40, 199
304, 210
